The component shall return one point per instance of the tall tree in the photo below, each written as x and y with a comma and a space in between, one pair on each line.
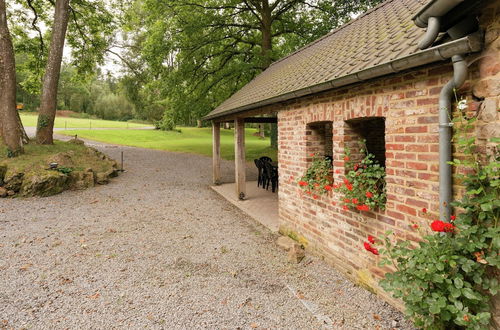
47, 112
217, 46
9, 124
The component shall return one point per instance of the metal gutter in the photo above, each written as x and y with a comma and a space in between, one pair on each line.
469, 44
436, 8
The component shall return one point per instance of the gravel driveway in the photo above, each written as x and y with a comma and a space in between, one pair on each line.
157, 248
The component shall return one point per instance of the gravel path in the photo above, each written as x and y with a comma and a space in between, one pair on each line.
157, 248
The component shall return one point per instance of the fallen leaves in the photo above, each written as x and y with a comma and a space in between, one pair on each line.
95, 295
25, 267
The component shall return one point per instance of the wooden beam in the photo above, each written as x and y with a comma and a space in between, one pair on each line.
216, 153
239, 158
261, 120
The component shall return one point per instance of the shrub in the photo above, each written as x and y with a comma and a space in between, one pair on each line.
364, 185
318, 178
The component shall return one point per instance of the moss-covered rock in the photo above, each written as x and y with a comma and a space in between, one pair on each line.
79, 167
44, 184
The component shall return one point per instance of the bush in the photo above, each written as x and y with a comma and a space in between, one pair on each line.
167, 123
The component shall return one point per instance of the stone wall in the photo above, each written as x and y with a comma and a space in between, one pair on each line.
408, 102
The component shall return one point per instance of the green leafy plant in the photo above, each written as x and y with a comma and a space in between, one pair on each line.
447, 279
64, 170
318, 178
364, 185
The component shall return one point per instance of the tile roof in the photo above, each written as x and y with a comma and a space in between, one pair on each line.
383, 34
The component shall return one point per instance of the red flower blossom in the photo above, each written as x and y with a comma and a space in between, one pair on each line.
356, 167
370, 248
346, 158
349, 186
440, 226
363, 207
346, 181
371, 239
345, 207
449, 227
347, 200
302, 183
414, 226
437, 225
315, 196
337, 171
328, 188
308, 192
334, 204
369, 194
424, 210
355, 201
453, 218
311, 154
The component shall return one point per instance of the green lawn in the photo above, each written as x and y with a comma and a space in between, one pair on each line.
62, 122
192, 140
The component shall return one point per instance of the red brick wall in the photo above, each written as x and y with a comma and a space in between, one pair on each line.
409, 102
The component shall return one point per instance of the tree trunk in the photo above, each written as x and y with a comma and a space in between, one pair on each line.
267, 44
261, 131
8, 113
48, 103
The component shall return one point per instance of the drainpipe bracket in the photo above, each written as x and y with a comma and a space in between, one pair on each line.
446, 125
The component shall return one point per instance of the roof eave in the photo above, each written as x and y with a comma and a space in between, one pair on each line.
469, 44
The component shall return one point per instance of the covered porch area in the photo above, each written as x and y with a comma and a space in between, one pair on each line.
259, 203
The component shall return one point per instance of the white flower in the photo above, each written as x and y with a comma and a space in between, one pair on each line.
462, 105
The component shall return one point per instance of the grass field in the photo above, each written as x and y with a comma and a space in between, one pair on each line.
192, 140
30, 120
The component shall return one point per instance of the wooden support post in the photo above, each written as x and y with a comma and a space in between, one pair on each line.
239, 157
216, 153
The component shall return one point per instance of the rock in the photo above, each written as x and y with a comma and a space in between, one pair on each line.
46, 184
81, 179
63, 159
13, 181
77, 141
285, 242
489, 110
296, 254
11, 192
101, 178
3, 170
3, 192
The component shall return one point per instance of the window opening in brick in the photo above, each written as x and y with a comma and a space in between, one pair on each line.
320, 139
372, 130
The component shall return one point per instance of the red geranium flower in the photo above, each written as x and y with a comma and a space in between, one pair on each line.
346, 158
315, 196
374, 251
363, 207
347, 200
414, 226
311, 154
371, 239
302, 183
449, 227
437, 225
337, 171
355, 201
308, 192
356, 167
367, 246
346, 181
349, 186
424, 210
369, 194
453, 218
328, 188
345, 207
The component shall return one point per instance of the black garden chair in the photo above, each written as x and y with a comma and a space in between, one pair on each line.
271, 174
260, 168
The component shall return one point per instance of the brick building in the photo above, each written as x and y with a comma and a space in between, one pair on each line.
379, 78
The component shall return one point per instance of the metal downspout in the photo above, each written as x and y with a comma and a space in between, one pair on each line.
434, 24
445, 135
